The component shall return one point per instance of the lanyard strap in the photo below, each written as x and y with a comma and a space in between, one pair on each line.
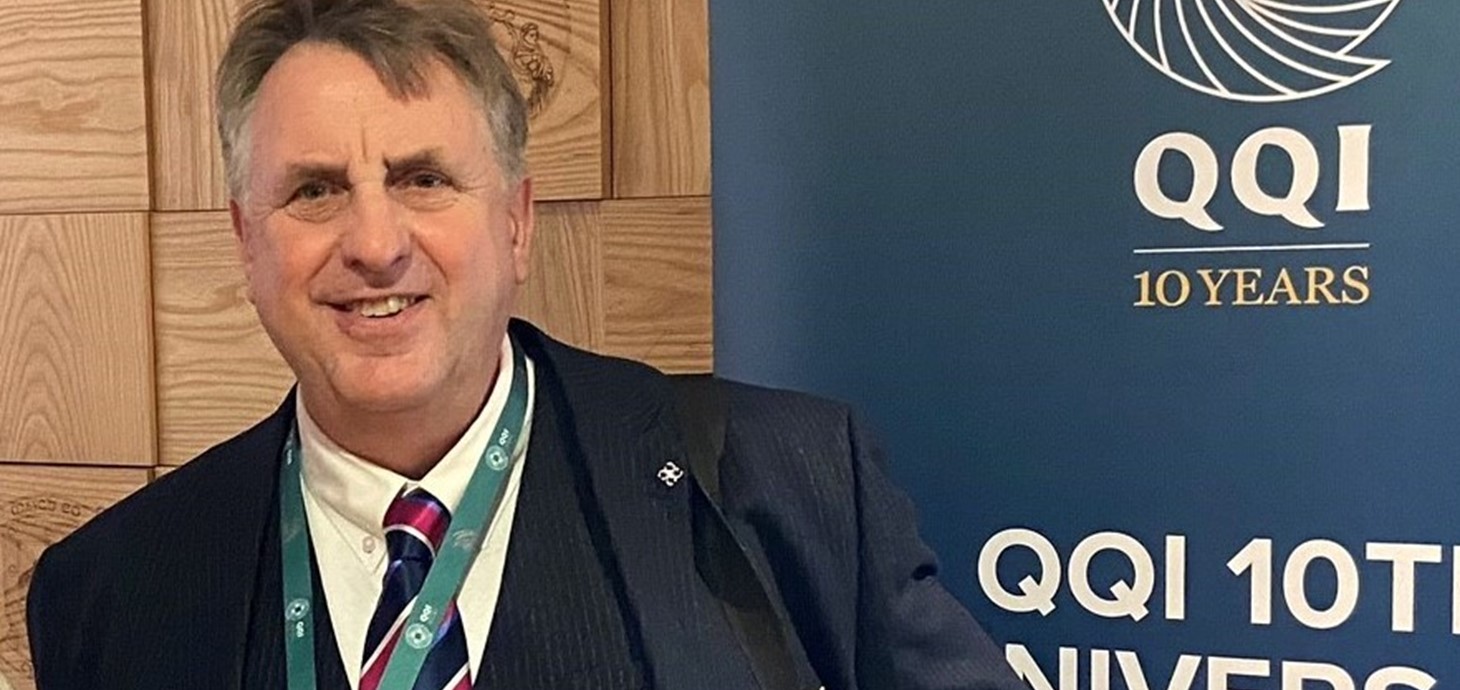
457, 553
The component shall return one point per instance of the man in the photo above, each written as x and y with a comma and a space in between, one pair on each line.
359, 537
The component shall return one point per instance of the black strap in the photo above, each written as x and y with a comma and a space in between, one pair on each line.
720, 558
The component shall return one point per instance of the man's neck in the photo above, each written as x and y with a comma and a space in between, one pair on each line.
407, 442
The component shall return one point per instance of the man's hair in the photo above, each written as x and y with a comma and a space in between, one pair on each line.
399, 39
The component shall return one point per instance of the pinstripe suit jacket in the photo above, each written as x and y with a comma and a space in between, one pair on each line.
158, 592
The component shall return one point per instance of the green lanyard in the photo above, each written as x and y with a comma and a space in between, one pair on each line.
458, 550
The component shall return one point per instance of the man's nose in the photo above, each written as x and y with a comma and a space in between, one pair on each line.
377, 241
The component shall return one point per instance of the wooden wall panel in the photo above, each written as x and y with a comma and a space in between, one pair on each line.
217, 371
39, 506
557, 51
657, 282
564, 290
661, 98
185, 40
75, 320
554, 46
72, 115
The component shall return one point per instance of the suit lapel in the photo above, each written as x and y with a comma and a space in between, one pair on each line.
255, 586
251, 576
620, 432
229, 495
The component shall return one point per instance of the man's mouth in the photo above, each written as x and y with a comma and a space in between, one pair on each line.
382, 307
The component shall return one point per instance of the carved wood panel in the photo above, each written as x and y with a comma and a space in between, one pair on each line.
39, 506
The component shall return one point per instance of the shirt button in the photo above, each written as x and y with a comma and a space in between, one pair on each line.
368, 544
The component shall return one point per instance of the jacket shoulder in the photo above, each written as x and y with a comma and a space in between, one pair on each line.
786, 410
186, 543
206, 489
757, 414
159, 530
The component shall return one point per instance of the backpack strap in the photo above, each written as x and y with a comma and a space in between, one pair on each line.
720, 557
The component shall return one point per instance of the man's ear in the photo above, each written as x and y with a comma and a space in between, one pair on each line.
241, 245
523, 221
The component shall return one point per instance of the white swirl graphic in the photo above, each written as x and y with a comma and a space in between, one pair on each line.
1257, 51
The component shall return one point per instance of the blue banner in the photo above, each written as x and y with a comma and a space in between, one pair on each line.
1153, 302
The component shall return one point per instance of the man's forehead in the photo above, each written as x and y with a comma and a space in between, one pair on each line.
341, 59
325, 106
334, 71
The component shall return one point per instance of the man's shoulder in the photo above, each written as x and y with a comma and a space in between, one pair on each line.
787, 436
577, 367
212, 491
752, 407
766, 407
185, 546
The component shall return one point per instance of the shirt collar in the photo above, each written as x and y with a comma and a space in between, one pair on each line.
360, 492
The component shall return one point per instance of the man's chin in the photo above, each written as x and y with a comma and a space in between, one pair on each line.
377, 401
376, 397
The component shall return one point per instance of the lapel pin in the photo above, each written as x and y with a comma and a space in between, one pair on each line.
670, 474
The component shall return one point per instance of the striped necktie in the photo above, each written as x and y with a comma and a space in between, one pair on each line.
414, 527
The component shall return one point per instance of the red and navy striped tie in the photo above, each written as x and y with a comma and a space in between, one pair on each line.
414, 527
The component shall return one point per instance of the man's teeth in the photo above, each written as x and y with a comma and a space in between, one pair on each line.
383, 307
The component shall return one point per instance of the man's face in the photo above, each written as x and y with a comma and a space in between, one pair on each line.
382, 244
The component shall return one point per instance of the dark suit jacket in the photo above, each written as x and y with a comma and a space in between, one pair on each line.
159, 591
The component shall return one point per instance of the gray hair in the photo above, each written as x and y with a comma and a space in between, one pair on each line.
398, 38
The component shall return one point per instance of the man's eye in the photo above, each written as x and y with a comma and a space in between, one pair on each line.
428, 180
425, 190
313, 191
317, 202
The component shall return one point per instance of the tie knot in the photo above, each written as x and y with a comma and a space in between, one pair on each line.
414, 520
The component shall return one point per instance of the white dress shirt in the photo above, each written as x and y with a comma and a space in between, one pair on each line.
346, 497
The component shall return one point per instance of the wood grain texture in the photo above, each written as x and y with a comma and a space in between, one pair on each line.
661, 98
75, 320
185, 41
657, 282
73, 117
217, 371
554, 47
39, 506
557, 51
563, 294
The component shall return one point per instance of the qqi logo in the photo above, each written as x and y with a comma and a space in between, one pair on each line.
1258, 51
1249, 285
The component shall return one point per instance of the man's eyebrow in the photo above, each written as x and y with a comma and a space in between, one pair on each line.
426, 158
298, 173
